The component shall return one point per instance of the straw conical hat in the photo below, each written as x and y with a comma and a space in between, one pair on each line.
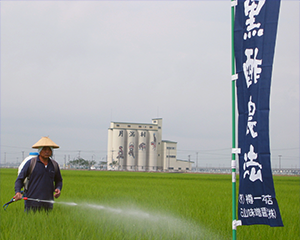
45, 142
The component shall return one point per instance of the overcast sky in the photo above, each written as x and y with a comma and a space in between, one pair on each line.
69, 68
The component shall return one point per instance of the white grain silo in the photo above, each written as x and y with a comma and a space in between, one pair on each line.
131, 149
142, 150
152, 163
119, 148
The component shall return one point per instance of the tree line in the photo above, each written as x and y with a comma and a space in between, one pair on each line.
82, 163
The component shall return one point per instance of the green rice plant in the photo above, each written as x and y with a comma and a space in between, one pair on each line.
136, 205
287, 189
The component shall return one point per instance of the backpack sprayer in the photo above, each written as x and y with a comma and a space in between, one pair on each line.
43, 142
32, 157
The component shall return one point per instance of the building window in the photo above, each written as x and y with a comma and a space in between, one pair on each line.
150, 127
118, 125
170, 147
128, 126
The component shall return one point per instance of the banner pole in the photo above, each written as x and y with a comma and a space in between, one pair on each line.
233, 160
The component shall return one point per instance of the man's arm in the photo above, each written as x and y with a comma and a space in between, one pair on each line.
58, 182
19, 183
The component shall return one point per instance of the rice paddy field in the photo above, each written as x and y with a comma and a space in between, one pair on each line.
135, 205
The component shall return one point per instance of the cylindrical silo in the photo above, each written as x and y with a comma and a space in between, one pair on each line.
131, 149
142, 150
118, 148
152, 163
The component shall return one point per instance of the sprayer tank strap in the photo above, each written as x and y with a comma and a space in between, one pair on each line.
32, 166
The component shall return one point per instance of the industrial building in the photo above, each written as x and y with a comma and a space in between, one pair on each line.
139, 147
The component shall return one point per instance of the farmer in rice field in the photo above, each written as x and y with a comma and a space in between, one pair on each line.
44, 178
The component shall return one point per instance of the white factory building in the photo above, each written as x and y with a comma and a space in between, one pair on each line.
139, 147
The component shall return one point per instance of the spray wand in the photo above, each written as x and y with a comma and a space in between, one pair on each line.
50, 201
37, 200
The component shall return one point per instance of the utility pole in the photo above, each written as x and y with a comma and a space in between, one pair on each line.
196, 161
279, 161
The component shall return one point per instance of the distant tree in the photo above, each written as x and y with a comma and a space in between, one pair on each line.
101, 164
81, 163
113, 164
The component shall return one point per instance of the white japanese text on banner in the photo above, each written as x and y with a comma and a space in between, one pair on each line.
254, 43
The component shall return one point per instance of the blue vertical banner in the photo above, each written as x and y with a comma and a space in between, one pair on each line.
254, 43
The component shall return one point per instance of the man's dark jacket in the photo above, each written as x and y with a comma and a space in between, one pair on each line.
41, 185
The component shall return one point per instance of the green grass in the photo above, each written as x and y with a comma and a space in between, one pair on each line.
132, 205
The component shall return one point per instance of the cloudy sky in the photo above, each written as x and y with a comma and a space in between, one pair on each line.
69, 68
